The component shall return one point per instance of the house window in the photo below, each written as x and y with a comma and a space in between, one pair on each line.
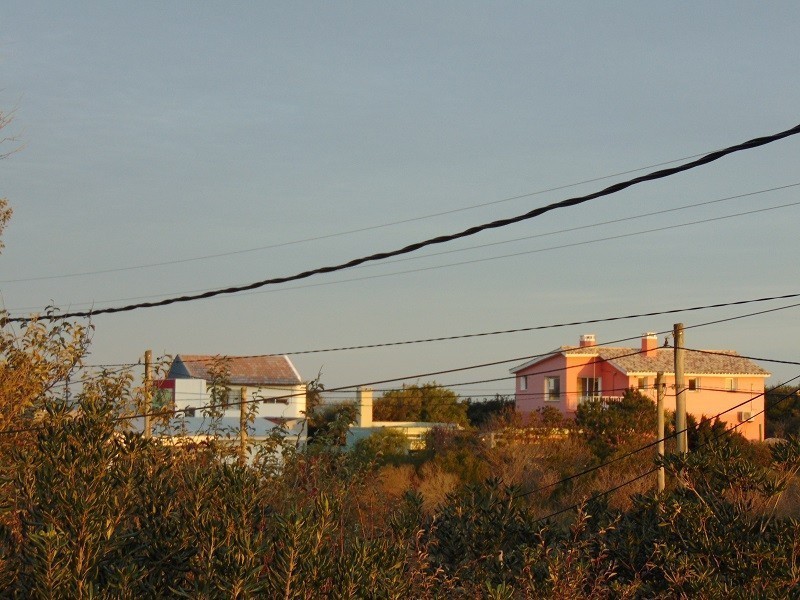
278, 400
731, 384
589, 387
523, 382
642, 383
693, 385
552, 389
189, 411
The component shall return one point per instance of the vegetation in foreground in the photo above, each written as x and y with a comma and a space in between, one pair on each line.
90, 509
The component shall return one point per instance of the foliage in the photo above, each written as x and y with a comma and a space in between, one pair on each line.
490, 413
385, 446
429, 402
329, 426
610, 425
5, 217
91, 509
783, 411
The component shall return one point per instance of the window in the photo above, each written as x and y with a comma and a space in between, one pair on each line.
552, 389
589, 387
642, 384
731, 384
693, 385
523, 382
278, 400
189, 411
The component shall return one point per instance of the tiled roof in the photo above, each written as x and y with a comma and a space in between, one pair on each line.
712, 362
243, 370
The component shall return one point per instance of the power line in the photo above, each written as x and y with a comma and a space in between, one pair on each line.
650, 445
472, 261
351, 231
575, 201
609, 222
294, 395
541, 327
758, 358
405, 378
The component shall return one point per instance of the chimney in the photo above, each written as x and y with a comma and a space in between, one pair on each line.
587, 339
649, 344
364, 401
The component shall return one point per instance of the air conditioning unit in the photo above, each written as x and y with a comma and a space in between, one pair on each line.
745, 415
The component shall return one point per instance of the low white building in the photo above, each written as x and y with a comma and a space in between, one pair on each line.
205, 392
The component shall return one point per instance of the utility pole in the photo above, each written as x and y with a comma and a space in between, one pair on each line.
148, 392
680, 391
243, 428
660, 432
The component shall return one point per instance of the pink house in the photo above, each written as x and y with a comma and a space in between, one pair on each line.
716, 380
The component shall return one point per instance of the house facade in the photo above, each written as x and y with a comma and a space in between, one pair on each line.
715, 380
274, 392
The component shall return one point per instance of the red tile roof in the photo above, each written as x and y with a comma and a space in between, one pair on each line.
241, 370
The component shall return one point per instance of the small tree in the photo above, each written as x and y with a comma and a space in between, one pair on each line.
385, 446
608, 425
429, 402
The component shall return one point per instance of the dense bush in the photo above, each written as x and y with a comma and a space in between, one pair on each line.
91, 509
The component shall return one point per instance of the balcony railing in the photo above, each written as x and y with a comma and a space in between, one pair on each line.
574, 400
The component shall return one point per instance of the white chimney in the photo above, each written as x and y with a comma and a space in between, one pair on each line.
364, 401
587, 340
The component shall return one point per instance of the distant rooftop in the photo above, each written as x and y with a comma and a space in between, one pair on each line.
710, 362
634, 361
242, 370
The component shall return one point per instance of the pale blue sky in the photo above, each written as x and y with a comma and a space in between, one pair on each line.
162, 131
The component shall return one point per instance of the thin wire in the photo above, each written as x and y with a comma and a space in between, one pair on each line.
650, 445
156, 413
575, 201
538, 328
391, 380
455, 264
758, 358
594, 241
351, 231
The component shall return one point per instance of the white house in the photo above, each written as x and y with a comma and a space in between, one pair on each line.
275, 395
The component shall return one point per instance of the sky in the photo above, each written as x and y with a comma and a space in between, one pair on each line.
174, 147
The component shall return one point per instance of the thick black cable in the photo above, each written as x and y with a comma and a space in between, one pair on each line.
575, 201
360, 229
456, 264
490, 244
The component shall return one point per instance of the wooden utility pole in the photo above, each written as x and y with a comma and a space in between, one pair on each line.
148, 392
660, 421
243, 428
682, 438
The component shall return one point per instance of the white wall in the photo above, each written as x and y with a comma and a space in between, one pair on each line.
289, 401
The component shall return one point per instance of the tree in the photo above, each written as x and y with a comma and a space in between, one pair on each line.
783, 411
490, 411
386, 445
609, 425
429, 402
